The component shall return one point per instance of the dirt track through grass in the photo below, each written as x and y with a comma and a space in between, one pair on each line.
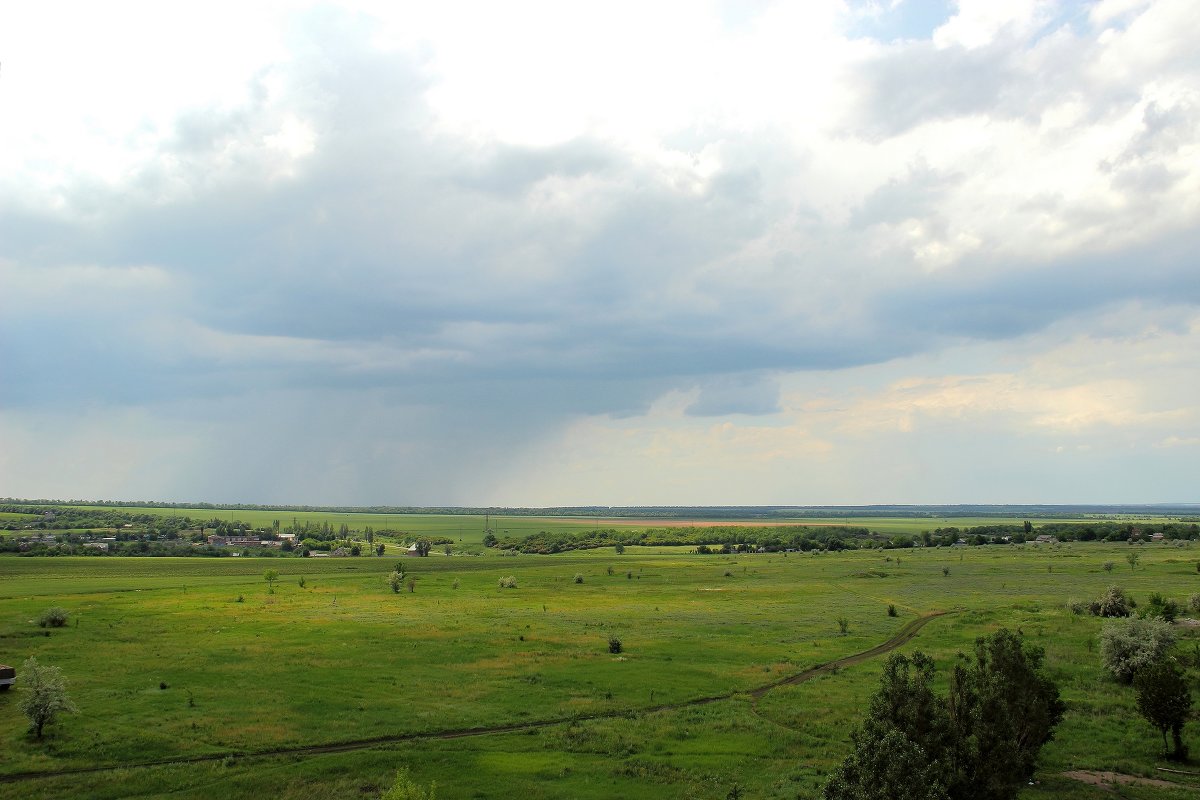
905, 635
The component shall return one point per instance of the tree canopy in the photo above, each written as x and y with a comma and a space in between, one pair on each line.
979, 742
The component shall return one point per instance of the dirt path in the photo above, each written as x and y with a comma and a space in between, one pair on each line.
902, 637
1104, 779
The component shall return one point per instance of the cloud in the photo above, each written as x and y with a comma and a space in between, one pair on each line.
398, 236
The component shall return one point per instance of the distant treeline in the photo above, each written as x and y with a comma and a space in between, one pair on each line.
732, 538
827, 537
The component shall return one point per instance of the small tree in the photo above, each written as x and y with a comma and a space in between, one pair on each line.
1108, 566
578, 577
620, 548
379, 548
1128, 645
396, 580
843, 625
270, 576
45, 695
508, 582
1133, 556
614, 645
1164, 700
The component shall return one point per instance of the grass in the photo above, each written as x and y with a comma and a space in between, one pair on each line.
346, 659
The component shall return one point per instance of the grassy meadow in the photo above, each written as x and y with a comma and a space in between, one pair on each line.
192, 659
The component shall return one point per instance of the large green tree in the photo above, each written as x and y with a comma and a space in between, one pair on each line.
980, 742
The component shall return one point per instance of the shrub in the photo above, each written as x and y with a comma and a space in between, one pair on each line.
508, 582
728, 574
1078, 606
1194, 603
945, 571
1108, 566
456, 583
302, 582
55, 617
1127, 645
891, 610
610, 569
843, 625
614, 645
396, 580
1162, 608
1113, 603
405, 788
578, 577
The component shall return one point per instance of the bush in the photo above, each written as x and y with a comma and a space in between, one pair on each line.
946, 571
1108, 566
1194, 603
1162, 608
1113, 603
1127, 645
891, 610
578, 577
405, 788
614, 645
396, 580
843, 625
1078, 606
508, 582
55, 617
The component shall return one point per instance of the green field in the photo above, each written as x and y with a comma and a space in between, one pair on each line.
467, 530
345, 660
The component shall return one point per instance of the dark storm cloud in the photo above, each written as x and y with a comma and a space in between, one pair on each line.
401, 258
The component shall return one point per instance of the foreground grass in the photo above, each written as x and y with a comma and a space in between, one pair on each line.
345, 659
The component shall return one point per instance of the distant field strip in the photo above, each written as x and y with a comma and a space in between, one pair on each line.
906, 634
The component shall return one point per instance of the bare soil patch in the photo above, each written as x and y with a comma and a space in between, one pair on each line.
1104, 778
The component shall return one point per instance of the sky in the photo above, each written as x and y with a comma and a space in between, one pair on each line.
543, 254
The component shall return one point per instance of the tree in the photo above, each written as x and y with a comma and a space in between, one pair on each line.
980, 741
620, 548
1133, 557
396, 580
423, 546
894, 751
1003, 708
1127, 645
45, 695
489, 539
1164, 700
270, 576
379, 548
